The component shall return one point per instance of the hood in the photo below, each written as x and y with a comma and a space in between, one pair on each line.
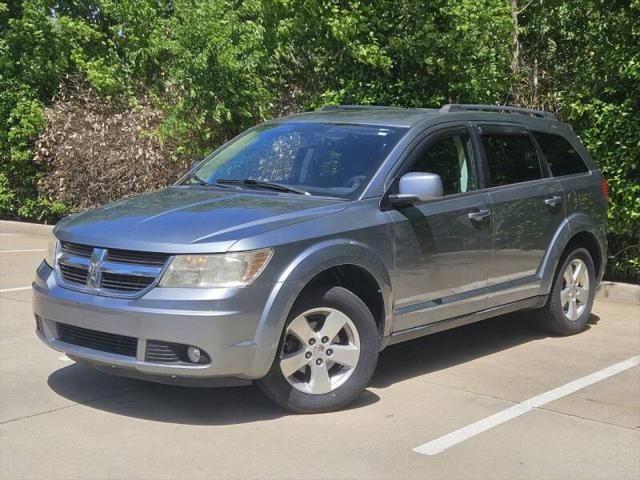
190, 219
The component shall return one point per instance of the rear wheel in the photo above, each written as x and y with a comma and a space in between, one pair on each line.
327, 353
569, 305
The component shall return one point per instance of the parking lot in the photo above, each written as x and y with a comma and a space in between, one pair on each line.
62, 420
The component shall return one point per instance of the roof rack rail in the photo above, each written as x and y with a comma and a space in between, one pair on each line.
455, 107
329, 108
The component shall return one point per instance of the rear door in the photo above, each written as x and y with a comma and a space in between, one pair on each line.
442, 247
528, 209
583, 190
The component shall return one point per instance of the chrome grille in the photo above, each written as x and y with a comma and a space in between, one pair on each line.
75, 249
125, 283
137, 258
112, 272
74, 274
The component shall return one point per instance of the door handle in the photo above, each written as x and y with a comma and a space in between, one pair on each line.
479, 215
553, 201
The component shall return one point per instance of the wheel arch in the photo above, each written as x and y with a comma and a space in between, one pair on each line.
577, 230
589, 241
339, 262
359, 281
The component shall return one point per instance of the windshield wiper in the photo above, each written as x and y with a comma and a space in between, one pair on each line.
199, 180
260, 184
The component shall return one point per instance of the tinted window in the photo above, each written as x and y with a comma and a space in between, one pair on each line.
321, 158
451, 158
560, 155
511, 159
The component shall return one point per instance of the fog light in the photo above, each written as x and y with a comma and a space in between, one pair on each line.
194, 354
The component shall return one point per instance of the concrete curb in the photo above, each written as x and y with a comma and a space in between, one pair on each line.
615, 291
8, 226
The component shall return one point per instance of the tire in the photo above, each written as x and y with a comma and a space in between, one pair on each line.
562, 317
306, 390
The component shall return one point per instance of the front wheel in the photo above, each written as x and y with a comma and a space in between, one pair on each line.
327, 354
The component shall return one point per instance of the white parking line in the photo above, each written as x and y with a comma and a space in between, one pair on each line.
15, 289
20, 251
451, 439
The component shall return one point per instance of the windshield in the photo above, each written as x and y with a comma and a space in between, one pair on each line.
319, 158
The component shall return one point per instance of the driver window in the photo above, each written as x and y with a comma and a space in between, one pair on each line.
450, 157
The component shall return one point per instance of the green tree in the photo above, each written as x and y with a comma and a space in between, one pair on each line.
582, 60
215, 67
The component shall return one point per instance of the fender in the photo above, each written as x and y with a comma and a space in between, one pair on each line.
299, 272
572, 225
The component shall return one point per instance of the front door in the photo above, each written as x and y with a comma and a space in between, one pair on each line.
442, 247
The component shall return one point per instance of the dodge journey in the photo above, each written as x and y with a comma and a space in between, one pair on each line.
293, 254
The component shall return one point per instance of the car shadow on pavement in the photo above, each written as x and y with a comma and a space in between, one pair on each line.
173, 404
456, 346
237, 405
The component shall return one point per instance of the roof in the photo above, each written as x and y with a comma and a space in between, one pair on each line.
383, 116
409, 117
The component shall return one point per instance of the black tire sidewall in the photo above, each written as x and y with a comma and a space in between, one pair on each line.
278, 389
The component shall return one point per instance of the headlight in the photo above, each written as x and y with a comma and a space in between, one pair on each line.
220, 270
51, 250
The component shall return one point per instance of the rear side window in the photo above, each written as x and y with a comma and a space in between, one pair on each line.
511, 158
561, 157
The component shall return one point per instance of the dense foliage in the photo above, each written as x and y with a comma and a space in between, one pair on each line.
585, 56
181, 76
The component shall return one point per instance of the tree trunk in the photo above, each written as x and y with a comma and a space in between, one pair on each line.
515, 51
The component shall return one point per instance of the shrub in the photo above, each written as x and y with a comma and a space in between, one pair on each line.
94, 151
6, 196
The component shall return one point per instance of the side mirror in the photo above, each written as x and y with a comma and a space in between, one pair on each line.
417, 187
194, 164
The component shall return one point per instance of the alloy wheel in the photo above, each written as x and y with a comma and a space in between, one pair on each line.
320, 352
574, 294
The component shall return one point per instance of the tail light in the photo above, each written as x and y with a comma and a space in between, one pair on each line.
605, 188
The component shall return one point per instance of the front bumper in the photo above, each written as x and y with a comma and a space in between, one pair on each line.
227, 323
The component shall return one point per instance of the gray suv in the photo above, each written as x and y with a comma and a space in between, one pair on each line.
295, 253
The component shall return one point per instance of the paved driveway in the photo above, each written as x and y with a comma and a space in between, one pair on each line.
62, 420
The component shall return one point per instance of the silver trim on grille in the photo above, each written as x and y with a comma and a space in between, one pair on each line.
123, 279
